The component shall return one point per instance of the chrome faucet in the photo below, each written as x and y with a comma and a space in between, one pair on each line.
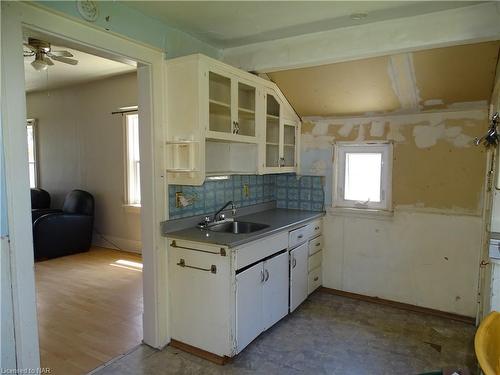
222, 216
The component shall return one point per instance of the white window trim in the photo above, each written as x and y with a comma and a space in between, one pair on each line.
127, 206
33, 122
340, 149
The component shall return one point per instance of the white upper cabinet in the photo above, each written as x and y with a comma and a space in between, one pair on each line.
278, 151
222, 120
232, 107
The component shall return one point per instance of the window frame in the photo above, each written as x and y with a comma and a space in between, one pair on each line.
126, 161
340, 151
33, 123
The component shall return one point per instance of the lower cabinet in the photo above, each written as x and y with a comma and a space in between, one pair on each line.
298, 275
261, 298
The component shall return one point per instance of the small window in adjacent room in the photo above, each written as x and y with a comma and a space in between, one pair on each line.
363, 176
133, 162
32, 159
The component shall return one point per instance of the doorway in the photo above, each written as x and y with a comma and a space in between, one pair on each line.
16, 19
84, 169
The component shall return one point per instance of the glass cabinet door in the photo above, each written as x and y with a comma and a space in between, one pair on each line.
219, 103
245, 125
272, 132
289, 145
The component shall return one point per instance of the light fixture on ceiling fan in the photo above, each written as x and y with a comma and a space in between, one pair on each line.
44, 55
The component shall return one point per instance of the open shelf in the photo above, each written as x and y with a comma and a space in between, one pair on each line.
219, 103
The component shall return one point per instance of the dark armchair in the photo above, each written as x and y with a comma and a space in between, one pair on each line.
40, 203
67, 231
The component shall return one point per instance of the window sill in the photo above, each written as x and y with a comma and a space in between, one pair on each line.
361, 212
132, 208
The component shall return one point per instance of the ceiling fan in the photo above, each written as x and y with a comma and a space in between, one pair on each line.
44, 55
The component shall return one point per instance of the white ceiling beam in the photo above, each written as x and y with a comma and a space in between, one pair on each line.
471, 24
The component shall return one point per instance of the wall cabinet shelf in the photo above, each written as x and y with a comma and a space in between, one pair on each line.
211, 103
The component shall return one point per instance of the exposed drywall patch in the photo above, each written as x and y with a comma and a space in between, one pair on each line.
377, 128
456, 74
395, 133
426, 135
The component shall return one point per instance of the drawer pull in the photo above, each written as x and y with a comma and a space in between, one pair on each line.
212, 269
222, 251
316, 228
318, 244
316, 278
300, 236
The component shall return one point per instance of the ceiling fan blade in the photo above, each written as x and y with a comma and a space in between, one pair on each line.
47, 60
60, 53
65, 60
34, 49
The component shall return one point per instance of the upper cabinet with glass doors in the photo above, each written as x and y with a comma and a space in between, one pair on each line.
232, 107
279, 151
222, 120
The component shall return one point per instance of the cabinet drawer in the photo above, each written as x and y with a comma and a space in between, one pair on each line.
297, 237
314, 280
260, 249
315, 228
314, 261
315, 245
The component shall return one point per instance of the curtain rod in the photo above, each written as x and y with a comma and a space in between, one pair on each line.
122, 112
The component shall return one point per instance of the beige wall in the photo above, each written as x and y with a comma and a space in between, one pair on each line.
80, 145
427, 253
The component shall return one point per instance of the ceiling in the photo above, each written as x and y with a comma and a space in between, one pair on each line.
225, 24
431, 79
89, 68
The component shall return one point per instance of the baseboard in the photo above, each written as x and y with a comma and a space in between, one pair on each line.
200, 352
116, 243
401, 305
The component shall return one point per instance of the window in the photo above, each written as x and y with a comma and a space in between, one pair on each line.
32, 160
133, 162
363, 176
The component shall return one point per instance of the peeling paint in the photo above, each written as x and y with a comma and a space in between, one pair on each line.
377, 128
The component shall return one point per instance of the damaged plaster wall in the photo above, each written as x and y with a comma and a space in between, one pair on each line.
427, 253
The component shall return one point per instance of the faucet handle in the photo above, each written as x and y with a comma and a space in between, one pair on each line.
222, 217
205, 222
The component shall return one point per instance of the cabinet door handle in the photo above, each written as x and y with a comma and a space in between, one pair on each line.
267, 275
316, 278
294, 262
262, 276
300, 236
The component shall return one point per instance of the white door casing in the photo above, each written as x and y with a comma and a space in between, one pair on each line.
15, 17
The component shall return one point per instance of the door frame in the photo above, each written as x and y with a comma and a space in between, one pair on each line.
17, 16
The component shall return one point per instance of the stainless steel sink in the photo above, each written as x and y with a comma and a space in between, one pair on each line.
238, 227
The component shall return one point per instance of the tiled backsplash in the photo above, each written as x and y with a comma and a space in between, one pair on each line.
300, 193
289, 191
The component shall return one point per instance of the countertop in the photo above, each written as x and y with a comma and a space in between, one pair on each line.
278, 219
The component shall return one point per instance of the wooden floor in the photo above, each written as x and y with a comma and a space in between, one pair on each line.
89, 309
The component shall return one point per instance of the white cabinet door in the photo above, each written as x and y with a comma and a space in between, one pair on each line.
275, 290
298, 275
248, 305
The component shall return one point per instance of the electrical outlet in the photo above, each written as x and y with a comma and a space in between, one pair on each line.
178, 196
246, 190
